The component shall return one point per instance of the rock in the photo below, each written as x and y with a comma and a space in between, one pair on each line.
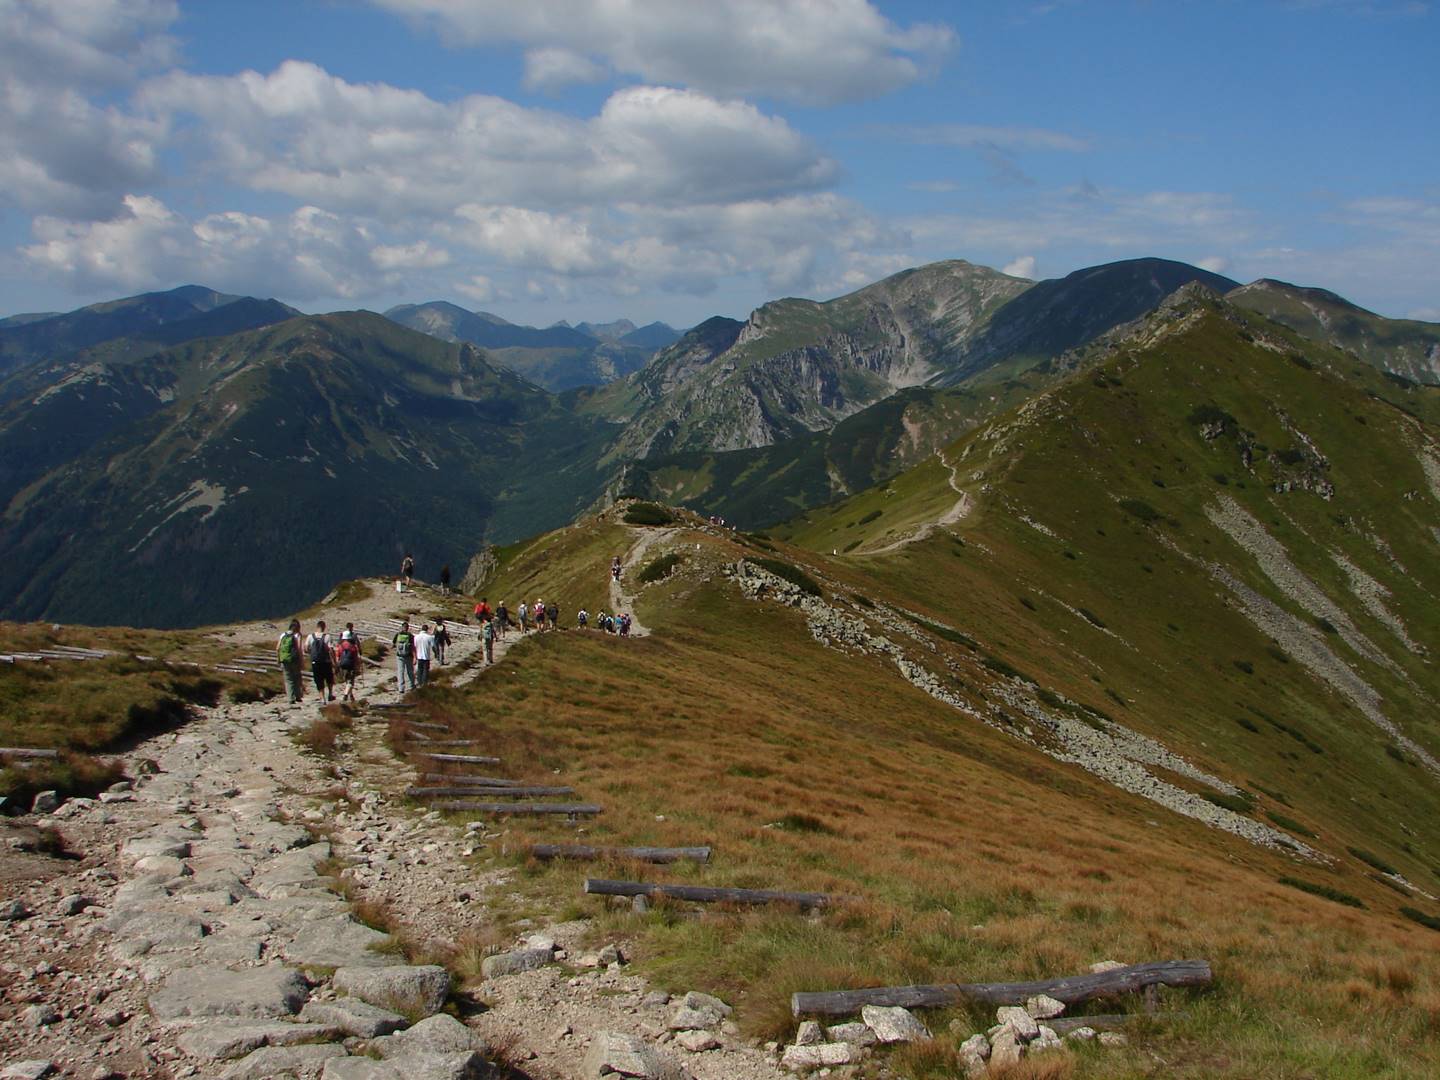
1006, 1049
221, 1042
272, 1061
1018, 1020
439, 1034
893, 1024
976, 1046
655, 999
266, 992
688, 1019
338, 941
14, 910
804, 1058
162, 866
611, 954
810, 1033
638, 904
410, 1067
28, 1070
404, 989
1111, 1038
613, 1053
353, 1017
46, 802
697, 1042
109, 797
140, 847
1046, 1040
1102, 966
696, 1000
73, 904
512, 963
1081, 1034
142, 931
856, 1034
38, 1016
1044, 1007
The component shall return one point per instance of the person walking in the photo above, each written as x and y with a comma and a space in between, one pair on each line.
524, 614
424, 653
502, 616
347, 662
322, 661
407, 568
552, 615
288, 651
625, 625
404, 644
538, 613
442, 640
487, 634
445, 580
615, 568
584, 617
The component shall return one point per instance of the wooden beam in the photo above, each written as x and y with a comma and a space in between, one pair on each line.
463, 759
1071, 990
426, 725
468, 781
476, 806
638, 854
25, 752
498, 791
705, 894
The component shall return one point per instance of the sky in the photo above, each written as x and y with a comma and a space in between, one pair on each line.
676, 159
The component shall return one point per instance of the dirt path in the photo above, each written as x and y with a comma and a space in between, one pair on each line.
952, 516
620, 599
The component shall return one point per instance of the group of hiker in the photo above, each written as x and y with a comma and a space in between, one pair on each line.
414, 653
609, 624
331, 660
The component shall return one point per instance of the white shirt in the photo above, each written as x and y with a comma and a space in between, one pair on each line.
424, 646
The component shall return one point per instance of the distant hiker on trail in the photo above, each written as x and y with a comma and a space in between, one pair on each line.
583, 617
407, 569
615, 568
502, 616
347, 661
524, 614
288, 651
404, 643
552, 615
538, 611
445, 580
424, 653
487, 634
442, 640
322, 661
625, 625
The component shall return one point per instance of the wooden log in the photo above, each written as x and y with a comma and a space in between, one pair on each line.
463, 759
519, 808
442, 742
639, 854
427, 725
468, 781
1071, 990
706, 894
26, 752
514, 792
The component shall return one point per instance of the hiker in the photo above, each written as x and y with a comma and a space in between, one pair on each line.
445, 580
347, 661
442, 640
407, 569
424, 653
538, 611
625, 625
524, 614
615, 568
487, 634
552, 615
288, 651
502, 616
404, 643
482, 610
583, 618
322, 661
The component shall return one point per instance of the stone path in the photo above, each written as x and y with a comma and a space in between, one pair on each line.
621, 600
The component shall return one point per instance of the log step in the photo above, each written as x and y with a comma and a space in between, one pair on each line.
514, 792
468, 781
519, 808
638, 854
463, 759
705, 894
26, 752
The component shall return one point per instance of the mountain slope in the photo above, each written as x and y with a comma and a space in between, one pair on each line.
225, 478
1403, 346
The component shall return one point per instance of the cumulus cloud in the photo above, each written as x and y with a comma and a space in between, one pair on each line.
386, 151
1022, 267
815, 53
548, 70
420, 255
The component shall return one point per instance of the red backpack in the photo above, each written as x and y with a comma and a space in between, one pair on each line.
349, 654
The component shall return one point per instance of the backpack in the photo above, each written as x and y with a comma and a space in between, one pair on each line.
288, 653
319, 654
348, 654
489, 632
404, 643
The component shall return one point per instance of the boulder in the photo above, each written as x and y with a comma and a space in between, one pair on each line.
46, 802
1019, 1021
1102, 966
856, 1034
438, 1034
694, 999
1044, 1007
613, 1053
409, 1067
512, 963
976, 1046
33, 1069
697, 1042
353, 1017
825, 1055
14, 911
266, 992
338, 941
1081, 1034
810, 1033
403, 989
893, 1024
1046, 1040
688, 1019
1006, 1049
1111, 1038
273, 1061
221, 1042
73, 904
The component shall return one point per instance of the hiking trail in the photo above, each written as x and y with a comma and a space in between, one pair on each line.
620, 599
953, 516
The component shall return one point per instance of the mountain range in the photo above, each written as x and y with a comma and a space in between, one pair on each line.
181, 470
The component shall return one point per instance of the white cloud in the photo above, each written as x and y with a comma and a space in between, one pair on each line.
549, 70
815, 52
1216, 264
417, 256
1022, 267
380, 150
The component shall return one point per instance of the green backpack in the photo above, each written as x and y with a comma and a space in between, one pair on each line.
403, 644
288, 653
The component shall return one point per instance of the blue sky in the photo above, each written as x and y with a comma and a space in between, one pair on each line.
656, 159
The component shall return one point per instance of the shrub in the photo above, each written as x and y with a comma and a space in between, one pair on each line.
868, 517
1000, 667
659, 568
1092, 618
1416, 915
1325, 891
1203, 415
1242, 803
793, 574
1142, 510
945, 632
1244, 665
863, 601
644, 513
1372, 860
1026, 602
1247, 724
1290, 823
803, 823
